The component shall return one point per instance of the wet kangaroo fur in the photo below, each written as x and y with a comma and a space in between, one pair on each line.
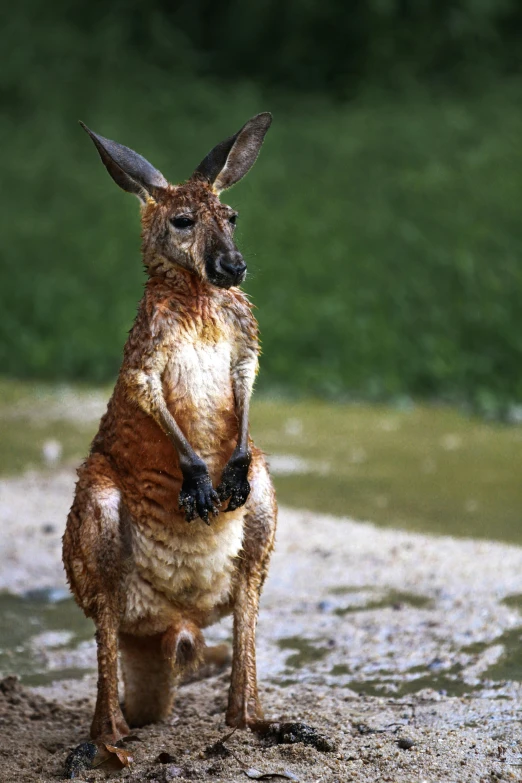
174, 515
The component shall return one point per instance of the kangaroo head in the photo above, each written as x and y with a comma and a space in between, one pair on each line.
187, 225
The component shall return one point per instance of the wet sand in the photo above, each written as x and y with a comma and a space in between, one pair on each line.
373, 636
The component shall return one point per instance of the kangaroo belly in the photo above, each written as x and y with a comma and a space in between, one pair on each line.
186, 572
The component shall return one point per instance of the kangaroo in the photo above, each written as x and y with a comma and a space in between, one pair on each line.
174, 448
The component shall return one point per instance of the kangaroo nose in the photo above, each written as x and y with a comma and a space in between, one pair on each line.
232, 264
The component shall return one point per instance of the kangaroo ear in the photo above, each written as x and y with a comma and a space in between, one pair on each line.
128, 169
229, 161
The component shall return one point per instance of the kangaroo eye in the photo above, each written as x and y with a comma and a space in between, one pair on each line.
182, 222
233, 219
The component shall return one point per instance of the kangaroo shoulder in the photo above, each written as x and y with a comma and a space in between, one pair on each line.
242, 316
154, 324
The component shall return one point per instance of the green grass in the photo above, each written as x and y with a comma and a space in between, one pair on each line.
383, 235
426, 468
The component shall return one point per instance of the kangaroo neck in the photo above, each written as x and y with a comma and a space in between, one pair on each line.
182, 281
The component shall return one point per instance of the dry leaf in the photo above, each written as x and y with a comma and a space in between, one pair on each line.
124, 757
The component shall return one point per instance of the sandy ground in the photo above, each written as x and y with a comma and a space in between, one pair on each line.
372, 636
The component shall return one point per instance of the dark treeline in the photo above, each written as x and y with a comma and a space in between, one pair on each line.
337, 46
332, 46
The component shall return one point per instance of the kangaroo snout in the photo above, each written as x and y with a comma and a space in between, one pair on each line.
226, 269
232, 264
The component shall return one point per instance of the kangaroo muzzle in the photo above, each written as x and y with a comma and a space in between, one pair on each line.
226, 269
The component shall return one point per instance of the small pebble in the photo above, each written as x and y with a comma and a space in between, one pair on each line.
325, 606
405, 743
436, 664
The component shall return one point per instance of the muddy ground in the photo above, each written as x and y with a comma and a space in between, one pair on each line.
403, 649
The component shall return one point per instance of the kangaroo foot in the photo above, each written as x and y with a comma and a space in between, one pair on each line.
109, 729
244, 715
105, 731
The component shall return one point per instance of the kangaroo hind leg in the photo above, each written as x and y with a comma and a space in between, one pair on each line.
96, 554
244, 708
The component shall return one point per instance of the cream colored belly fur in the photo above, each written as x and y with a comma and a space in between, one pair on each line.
181, 575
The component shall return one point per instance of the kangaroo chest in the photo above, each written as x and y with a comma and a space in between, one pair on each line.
198, 390
199, 372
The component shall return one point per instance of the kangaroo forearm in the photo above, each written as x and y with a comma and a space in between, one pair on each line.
243, 415
243, 376
187, 456
234, 485
197, 496
147, 391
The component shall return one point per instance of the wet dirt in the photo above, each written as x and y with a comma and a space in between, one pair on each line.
428, 651
443, 739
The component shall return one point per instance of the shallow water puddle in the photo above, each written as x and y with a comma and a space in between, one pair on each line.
403, 683
509, 665
39, 634
304, 652
320, 659
431, 469
445, 685
418, 467
393, 599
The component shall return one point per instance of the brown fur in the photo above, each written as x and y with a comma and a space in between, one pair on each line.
150, 580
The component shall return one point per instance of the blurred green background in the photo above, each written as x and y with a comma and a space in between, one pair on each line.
381, 224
